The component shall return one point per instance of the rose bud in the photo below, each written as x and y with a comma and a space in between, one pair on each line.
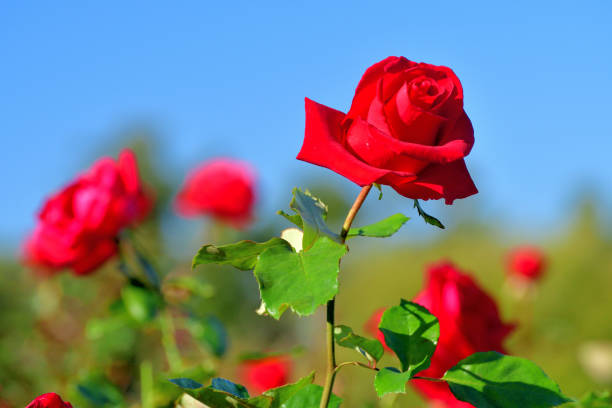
469, 323
77, 227
406, 128
262, 374
50, 400
526, 263
222, 188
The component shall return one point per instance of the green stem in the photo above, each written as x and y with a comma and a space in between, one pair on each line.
146, 384
169, 342
330, 374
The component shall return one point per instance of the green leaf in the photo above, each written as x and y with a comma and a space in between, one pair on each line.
210, 332
186, 383
313, 213
292, 218
242, 255
237, 390
302, 281
371, 349
310, 397
219, 399
412, 333
380, 193
428, 218
100, 392
141, 303
494, 380
381, 229
277, 397
595, 400
148, 270
391, 380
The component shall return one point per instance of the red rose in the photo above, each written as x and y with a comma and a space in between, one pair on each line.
50, 400
469, 323
78, 226
223, 188
265, 373
406, 128
526, 263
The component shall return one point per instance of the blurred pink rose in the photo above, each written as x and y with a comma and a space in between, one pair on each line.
222, 188
527, 263
265, 373
77, 227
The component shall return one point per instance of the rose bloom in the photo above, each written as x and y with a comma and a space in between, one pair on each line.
527, 263
50, 400
469, 323
406, 128
222, 188
265, 373
77, 227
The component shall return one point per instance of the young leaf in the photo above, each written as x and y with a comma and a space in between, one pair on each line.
313, 213
380, 193
278, 397
494, 380
310, 396
391, 380
237, 390
186, 383
241, 255
412, 333
140, 303
210, 332
428, 218
302, 281
372, 349
380, 229
595, 400
149, 271
100, 392
219, 399
292, 218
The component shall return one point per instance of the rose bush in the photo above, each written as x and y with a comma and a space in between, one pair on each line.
78, 226
262, 374
222, 188
527, 263
50, 400
406, 128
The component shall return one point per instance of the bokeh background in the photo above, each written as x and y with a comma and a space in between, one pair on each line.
193, 80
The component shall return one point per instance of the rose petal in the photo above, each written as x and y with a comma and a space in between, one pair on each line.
449, 181
99, 252
129, 171
375, 146
367, 87
322, 146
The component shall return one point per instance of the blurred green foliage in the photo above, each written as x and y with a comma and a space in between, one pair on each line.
61, 333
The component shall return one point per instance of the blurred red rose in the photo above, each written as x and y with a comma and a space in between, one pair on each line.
223, 188
527, 263
78, 226
50, 400
406, 128
469, 323
265, 373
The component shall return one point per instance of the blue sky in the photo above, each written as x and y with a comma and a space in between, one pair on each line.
230, 78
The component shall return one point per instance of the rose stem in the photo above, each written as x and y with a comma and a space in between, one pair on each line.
331, 350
